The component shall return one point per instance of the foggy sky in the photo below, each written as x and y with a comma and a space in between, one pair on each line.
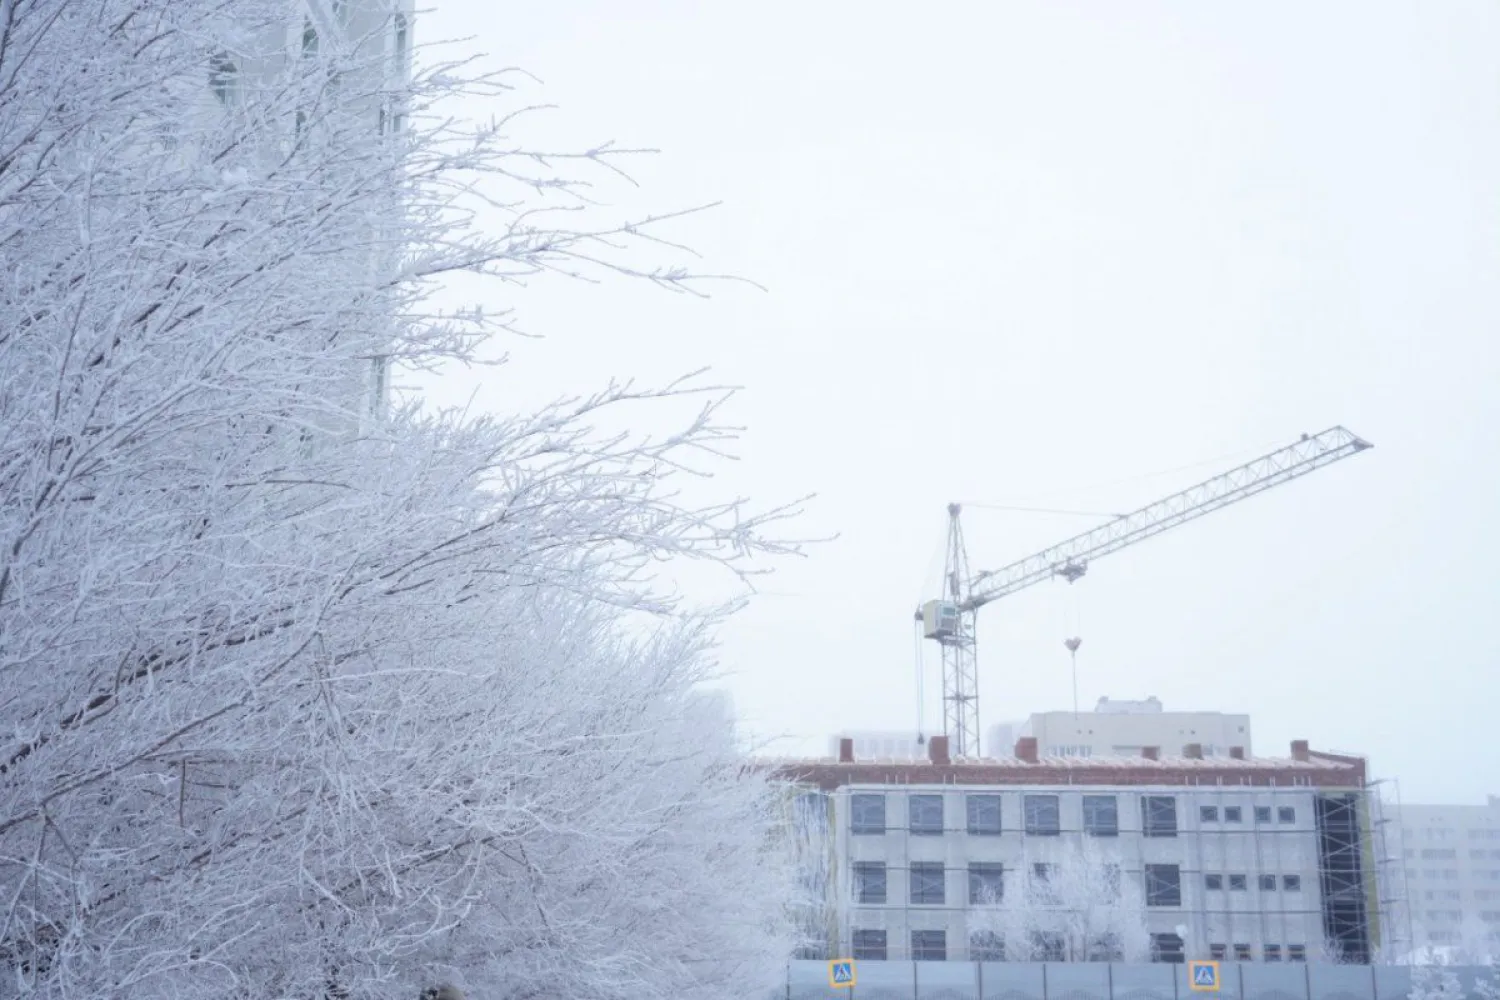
1070, 255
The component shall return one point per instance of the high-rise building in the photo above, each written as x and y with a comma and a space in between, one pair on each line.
366, 46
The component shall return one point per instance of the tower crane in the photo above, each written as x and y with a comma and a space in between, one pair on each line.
950, 620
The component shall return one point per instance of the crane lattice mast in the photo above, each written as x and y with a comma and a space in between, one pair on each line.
951, 619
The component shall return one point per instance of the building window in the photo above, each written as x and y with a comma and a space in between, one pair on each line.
926, 815
1163, 885
869, 945
1238, 883
1272, 952
1042, 815
1268, 883
1262, 814
309, 40
867, 813
1107, 947
1213, 881
1242, 953
1440, 854
1048, 946
1101, 816
1217, 952
222, 73
984, 814
1296, 953
869, 882
1166, 948
927, 883
1208, 814
1286, 814
1291, 883
986, 882
929, 946
403, 41
986, 946
1158, 815
1044, 882
1113, 877
1232, 814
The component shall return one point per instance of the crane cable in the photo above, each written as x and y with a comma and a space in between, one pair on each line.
917, 634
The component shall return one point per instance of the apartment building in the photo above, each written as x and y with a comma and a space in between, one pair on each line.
1450, 859
1236, 858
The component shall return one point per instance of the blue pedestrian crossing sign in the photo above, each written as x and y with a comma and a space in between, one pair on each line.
1204, 976
841, 973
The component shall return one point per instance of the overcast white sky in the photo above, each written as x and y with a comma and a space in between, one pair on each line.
1040, 254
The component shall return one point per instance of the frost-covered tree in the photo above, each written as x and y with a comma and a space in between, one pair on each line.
1434, 982
299, 698
1077, 904
1487, 986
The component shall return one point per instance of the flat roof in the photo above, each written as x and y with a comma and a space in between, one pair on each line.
1318, 770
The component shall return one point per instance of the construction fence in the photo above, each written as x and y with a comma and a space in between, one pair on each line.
809, 980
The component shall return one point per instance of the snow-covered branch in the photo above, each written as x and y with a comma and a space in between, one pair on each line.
300, 694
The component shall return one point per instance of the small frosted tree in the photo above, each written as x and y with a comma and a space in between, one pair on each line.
1077, 905
1434, 982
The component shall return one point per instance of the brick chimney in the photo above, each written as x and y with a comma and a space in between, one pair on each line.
846, 751
937, 750
1026, 749
1236, 753
1300, 751
1151, 753
1193, 751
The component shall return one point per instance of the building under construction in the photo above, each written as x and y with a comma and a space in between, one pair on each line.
1230, 857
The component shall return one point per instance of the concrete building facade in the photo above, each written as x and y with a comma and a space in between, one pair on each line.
1235, 858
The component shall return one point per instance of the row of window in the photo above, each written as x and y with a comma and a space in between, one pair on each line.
1487, 916
1451, 874
1269, 953
1236, 882
1451, 854
1042, 814
927, 882
1443, 833
1236, 814
223, 72
1043, 946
